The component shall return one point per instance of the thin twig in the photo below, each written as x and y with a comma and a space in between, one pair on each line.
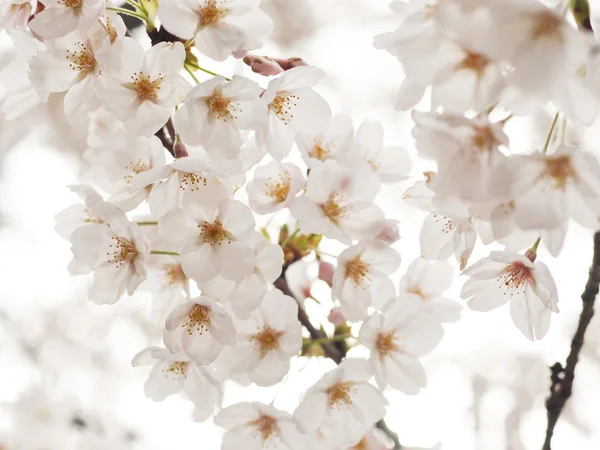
562, 377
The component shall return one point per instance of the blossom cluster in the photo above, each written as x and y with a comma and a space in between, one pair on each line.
181, 170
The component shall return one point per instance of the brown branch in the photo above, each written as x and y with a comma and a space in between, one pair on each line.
562, 377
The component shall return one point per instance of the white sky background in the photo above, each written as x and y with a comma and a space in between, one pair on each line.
483, 358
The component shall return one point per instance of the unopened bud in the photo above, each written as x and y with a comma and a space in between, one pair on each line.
531, 254
389, 233
263, 65
239, 54
179, 150
290, 63
326, 271
336, 317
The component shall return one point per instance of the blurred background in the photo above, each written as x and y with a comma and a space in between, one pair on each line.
66, 381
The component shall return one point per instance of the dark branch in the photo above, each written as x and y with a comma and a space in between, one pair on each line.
562, 377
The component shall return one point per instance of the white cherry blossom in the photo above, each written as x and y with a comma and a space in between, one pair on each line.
142, 88
274, 186
528, 285
267, 341
61, 17
216, 110
332, 142
362, 275
213, 241
174, 373
199, 328
342, 406
219, 27
338, 203
294, 107
256, 426
397, 337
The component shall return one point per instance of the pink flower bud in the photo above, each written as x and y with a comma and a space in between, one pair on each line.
336, 317
290, 63
326, 271
263, 65
389, 232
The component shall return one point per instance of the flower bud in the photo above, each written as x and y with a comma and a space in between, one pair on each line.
326, 271
290, 63
263, 65
389, 232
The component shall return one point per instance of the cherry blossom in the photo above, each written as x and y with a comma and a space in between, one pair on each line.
293, 107
528, 285
142, 88
274, 186
338, 203
213, 241
257, 426
332, 142
219, 27
428, 281
199, 328
397, 337
60, 17
266, 342
216, 110
173, 373
342, 406
362, 275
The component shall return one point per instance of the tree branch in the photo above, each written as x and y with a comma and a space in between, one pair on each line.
562, 377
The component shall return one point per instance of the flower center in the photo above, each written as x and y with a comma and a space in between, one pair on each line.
332, 208
417, 291
71, 3
515, 278
560, 170
474, 62
319, 151
211, 12
446, 223
385, 344
121, 251
220, 107
484, 139
267, 339
174, 274
338, 395
362, 445
357, 270
546, 25
135, 168
191, 181
197, 319
146, 88
279, 189
176, 370
81, 58
106, 23
282, 106
213, 233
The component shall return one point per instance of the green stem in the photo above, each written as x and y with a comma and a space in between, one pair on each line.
189, 42
163, 252
287, 240
127, 12
147, 223
188, 70
337, 337
197, 67
137, 6
550, 133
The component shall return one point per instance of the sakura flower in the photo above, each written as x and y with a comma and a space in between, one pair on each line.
391, 164
219, 27
362, 275
245, 295
342, 405
528, 285
300, 281
548, 189
258, 426
142, 89
338, 203
93, 210
269, 339
274, 186
116, 251
428, 281
214, 112
126, 166
293, 107
332, 142
389, 233
466, 151
60, 17
199, 328
397, 337
213, 241
173, 373
420, 195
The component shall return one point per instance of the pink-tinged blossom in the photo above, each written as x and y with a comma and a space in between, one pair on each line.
339, 203
334, 141
142, 88
342, 406
362, 275
61, 17
274, 186
294, 107
199, 328
504, 277
256, 426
